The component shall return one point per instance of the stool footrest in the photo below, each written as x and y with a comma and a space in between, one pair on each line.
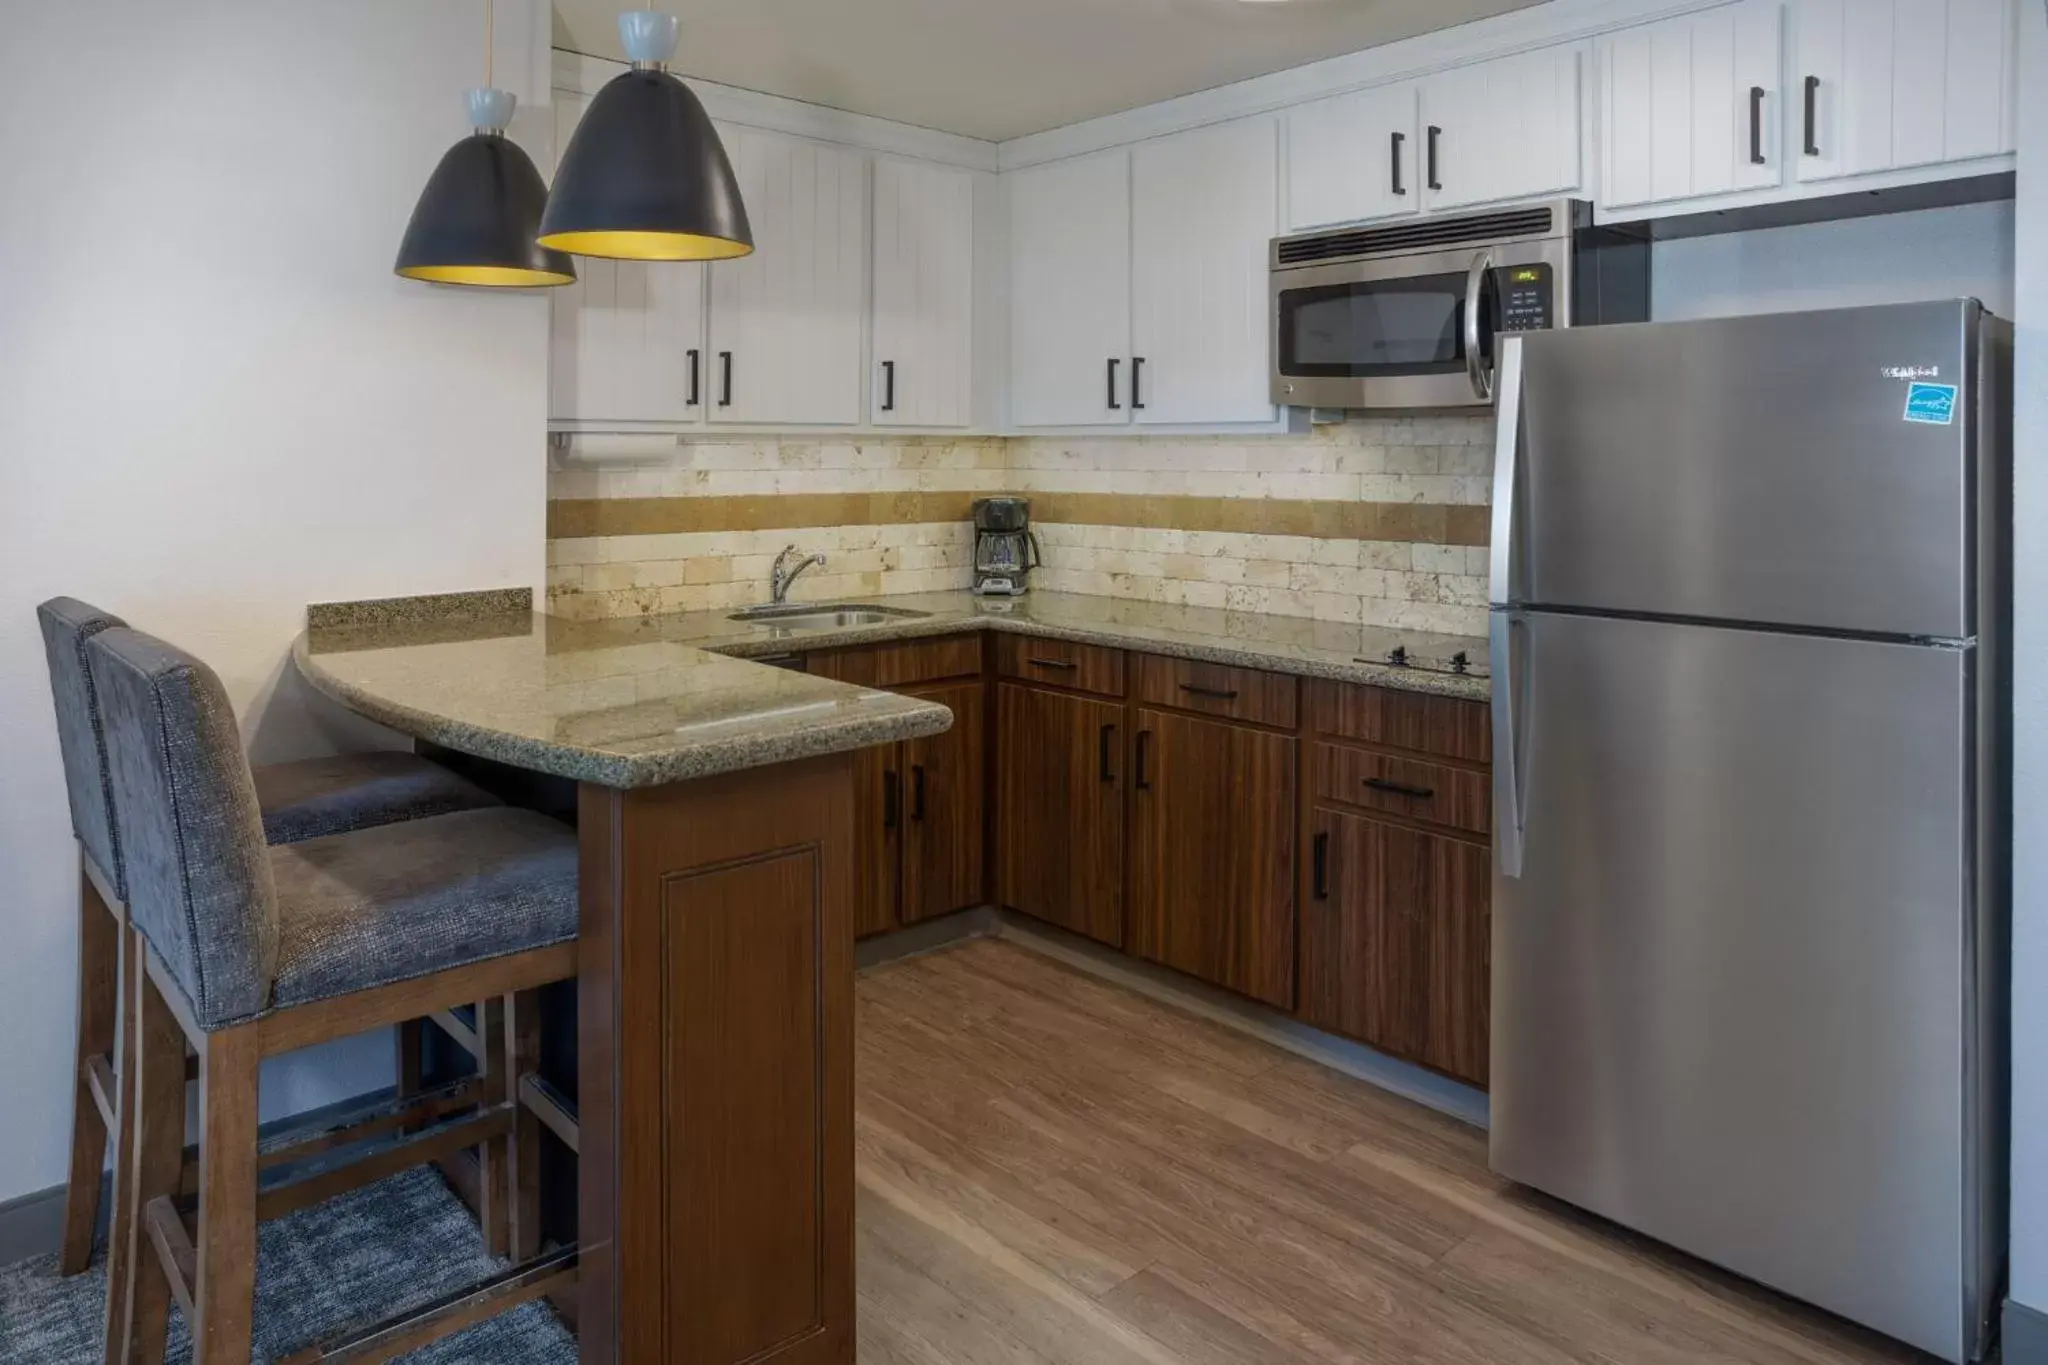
553, 1109
548, 1273
173, 1243
416, 1149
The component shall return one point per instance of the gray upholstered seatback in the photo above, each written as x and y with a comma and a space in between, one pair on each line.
67, 624
199, 879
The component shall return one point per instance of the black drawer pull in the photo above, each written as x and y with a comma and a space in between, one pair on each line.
1380, 784
1322, 865
1435, 136
696, 380
917, 791
1137, 379
1061, 664
1813, 116
889, 386
725, 379
1399, 138
1144, 779
892, 800
1216, 692
1108, 743
1756, 126
1114, 406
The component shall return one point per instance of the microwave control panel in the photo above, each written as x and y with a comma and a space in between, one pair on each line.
1526, 303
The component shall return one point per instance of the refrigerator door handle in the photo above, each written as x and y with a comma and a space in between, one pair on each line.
1508, 743
1507, 453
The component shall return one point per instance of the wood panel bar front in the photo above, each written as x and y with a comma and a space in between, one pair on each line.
716, 1087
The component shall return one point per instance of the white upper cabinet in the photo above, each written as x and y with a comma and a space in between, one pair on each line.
1353, 157
627, 335
923, 349
1505, 129
1692, 106
1205, 205
1070, 291
1884, 85
787, 322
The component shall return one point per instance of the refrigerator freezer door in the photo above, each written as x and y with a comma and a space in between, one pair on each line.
1729, 979
1790, 469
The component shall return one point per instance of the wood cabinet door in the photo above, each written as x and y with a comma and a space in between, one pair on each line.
944, 833
1396, 941
924, 296
627, 337
1204, 207
1070, 292
1693, 106
1212, 847
787, 322
1504, 129
1353, 157
1060, 809
877, 839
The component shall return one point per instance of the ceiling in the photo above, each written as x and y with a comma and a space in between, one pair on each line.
999, 69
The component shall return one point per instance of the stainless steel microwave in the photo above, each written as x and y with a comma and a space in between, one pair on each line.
1406, 316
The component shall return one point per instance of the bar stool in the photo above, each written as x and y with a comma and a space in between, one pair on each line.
255, 950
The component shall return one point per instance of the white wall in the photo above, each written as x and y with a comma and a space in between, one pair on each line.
218, 404
2030, 685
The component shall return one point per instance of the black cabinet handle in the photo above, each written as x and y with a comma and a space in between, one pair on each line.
1216, 692
1435, 136
1813, 116
1143, 775
892, 800
725, 383
1108, 744
1380, 784
888, 386
1321, 860
1061, 664
1113, 404
1400, 140
1756, 126
696, 378
917, 791
1137, 378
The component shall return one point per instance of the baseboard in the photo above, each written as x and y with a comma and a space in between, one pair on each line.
2025, 1335
1423, 1086
924, 938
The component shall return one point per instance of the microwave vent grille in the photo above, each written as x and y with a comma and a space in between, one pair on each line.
1417, 236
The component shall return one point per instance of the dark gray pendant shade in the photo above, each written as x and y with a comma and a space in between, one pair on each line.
478, 217
645, 177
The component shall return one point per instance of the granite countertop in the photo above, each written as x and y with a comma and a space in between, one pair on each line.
1283, 644
637, 710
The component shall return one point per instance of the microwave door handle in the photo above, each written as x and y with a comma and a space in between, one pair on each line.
1475, 289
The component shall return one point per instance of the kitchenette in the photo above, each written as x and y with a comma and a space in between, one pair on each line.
1359, 708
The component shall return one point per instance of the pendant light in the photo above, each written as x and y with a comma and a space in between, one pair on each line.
477, 218
645, 176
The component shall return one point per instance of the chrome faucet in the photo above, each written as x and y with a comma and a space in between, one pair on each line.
782, 577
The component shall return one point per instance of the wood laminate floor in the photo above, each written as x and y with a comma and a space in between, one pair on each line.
1054, 1169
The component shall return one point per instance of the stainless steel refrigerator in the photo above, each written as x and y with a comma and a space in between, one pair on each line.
1749, 629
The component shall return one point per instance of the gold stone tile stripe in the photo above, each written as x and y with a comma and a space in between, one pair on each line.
1420, 522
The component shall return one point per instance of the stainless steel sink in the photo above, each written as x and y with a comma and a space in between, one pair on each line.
811, 616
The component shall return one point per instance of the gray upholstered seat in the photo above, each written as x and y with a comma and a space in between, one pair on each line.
246, 928
303, 800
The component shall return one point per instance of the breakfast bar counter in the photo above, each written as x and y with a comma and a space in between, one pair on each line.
715, 814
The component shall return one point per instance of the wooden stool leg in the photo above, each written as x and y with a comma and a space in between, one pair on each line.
225, 1289
158, 1093
522, 1037
493, 1210
121, 1245
99, 956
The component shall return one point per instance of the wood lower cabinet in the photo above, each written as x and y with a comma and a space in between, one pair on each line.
945, 779
878, 845
1212, 875
1396, 941
1060, 809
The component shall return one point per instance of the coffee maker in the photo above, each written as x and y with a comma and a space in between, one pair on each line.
1005, 551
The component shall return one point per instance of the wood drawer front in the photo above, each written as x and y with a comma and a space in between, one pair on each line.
1218, 690
915, 661
1451, 727
1457, 797
1061, 663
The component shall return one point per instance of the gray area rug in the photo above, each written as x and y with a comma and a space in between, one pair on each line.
351, 1261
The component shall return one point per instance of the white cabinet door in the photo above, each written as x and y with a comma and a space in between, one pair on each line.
1885, 85
628, 336
1504, 129
1204, 204
787, 322
1070, 292
1692, 106
923, 349
1353, 157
